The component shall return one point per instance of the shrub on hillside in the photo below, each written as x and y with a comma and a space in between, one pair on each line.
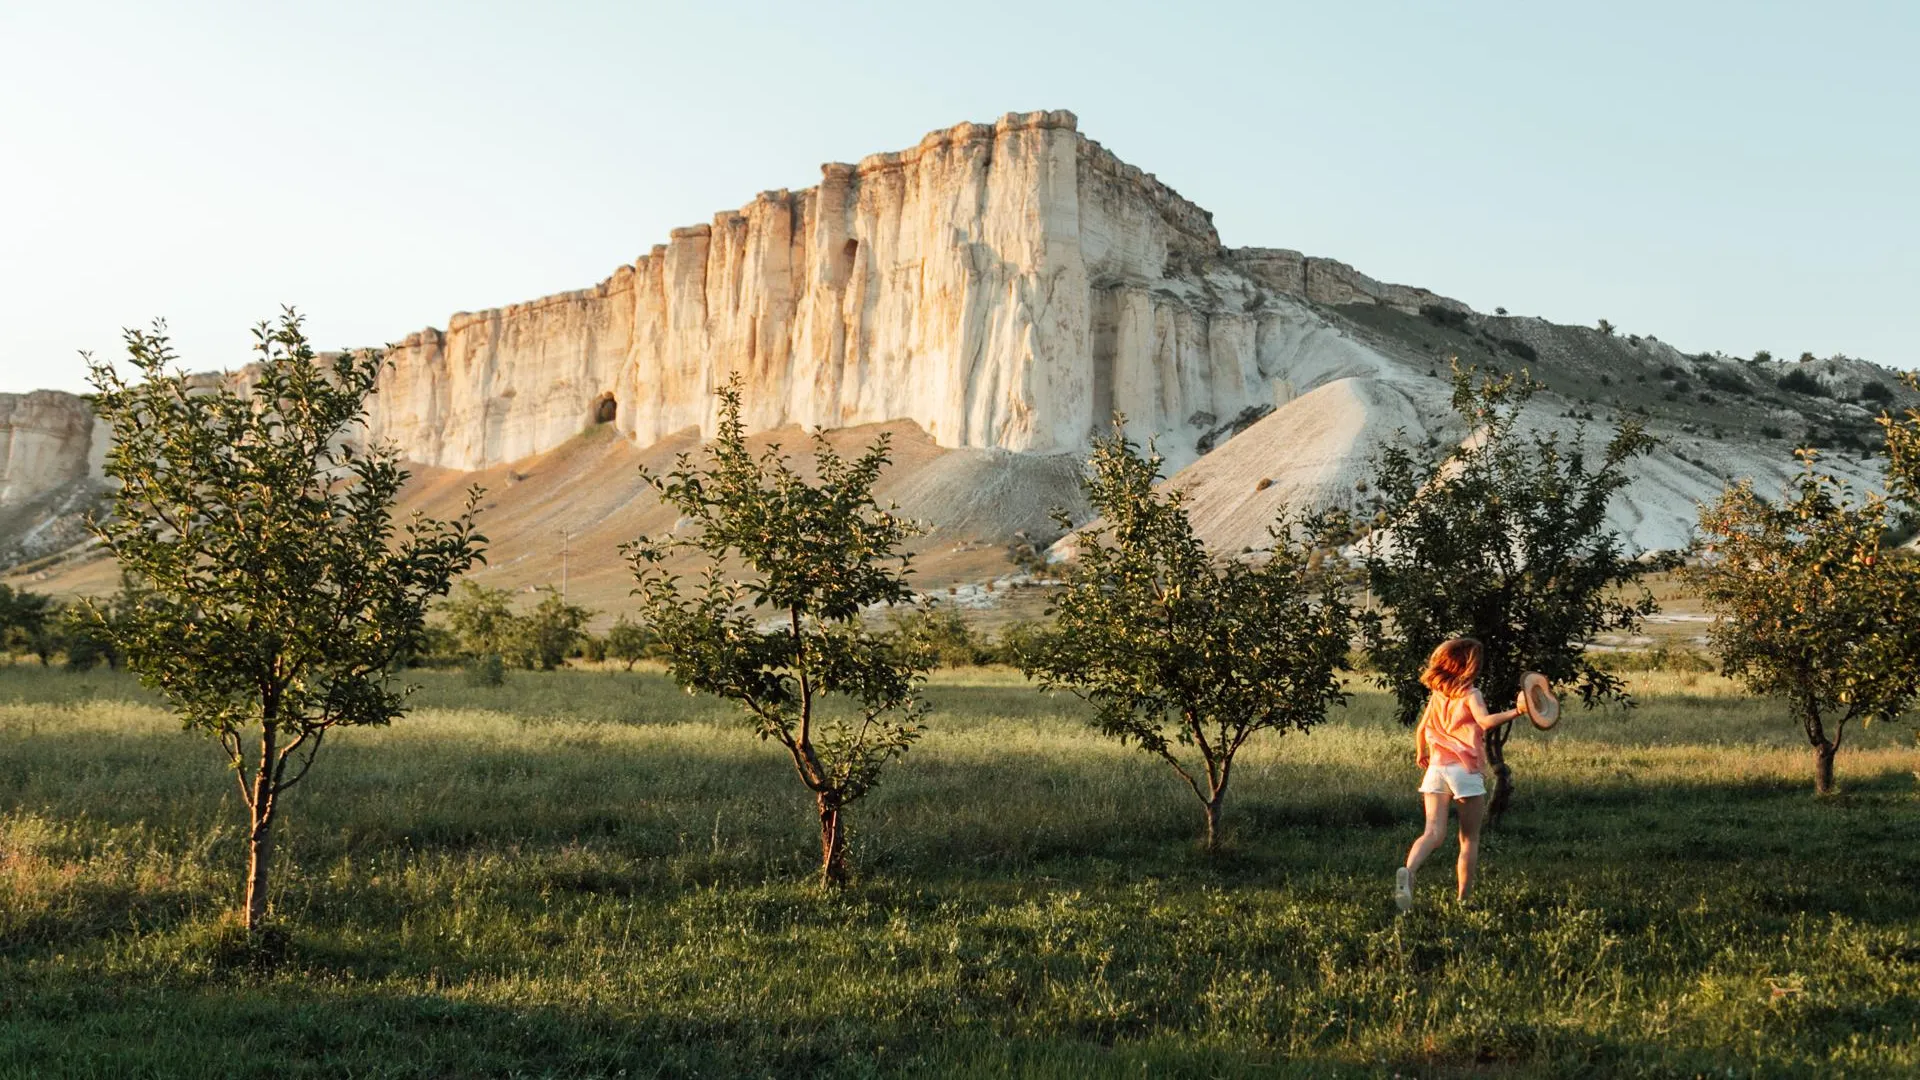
1521, 349
1726, 382
1799, 382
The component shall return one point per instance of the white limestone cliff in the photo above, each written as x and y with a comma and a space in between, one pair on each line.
48, 442
1005, 285
1007, 288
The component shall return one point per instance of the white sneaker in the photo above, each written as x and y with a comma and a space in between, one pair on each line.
1403, 889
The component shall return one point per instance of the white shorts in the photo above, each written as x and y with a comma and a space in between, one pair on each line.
1457, 780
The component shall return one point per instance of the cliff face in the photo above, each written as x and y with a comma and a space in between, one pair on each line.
50, 452
47, 442
1005, 288
1005, 285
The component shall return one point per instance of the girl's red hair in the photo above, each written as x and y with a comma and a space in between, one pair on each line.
1453, 666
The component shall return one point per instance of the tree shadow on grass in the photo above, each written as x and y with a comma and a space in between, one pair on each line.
245, 1028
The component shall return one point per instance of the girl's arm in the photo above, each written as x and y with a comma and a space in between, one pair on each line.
1423, 754
1485, 719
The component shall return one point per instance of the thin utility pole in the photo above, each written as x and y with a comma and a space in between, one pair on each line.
563, 564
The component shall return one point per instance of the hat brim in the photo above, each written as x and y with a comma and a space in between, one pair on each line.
1542, 708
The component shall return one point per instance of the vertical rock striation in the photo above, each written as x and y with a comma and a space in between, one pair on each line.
1005, 285
48, 443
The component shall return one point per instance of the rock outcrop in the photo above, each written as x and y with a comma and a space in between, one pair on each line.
48, 441
1005, 285
50, 452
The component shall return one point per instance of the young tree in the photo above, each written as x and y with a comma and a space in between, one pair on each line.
1813, 608
805, 557
938, 630
86, 643
1903, 451
1503, 538
29, 622
628, 641
1184, 654
276, 592
481, 619
89, 632
546, 635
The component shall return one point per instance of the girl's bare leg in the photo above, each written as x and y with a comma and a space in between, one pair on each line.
1435, 834
1473, 810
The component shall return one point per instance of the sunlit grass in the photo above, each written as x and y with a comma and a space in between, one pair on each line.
585, 873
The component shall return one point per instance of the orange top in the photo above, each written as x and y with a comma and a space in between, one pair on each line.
1451, 733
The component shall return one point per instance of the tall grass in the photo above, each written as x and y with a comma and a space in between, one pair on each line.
585, 874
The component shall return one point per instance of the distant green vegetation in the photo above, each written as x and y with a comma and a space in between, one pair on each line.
1800, 382
581, 873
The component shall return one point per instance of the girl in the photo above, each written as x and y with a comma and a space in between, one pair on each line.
1451, 746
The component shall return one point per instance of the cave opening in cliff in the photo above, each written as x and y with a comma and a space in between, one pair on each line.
605, 409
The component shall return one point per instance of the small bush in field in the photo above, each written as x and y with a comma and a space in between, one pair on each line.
546, 635
629, 642
938, 630
29, 622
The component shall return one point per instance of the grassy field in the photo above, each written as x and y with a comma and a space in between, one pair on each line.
590, 874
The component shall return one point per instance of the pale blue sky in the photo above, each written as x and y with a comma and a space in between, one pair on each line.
1732, 176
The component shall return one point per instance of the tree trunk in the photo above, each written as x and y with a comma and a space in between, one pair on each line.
1212, 808
259, 862
1502, 793
1823, 752
1823, 747
833, 842
260, 835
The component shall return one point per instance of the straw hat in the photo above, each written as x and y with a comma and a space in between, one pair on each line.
1537, 698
